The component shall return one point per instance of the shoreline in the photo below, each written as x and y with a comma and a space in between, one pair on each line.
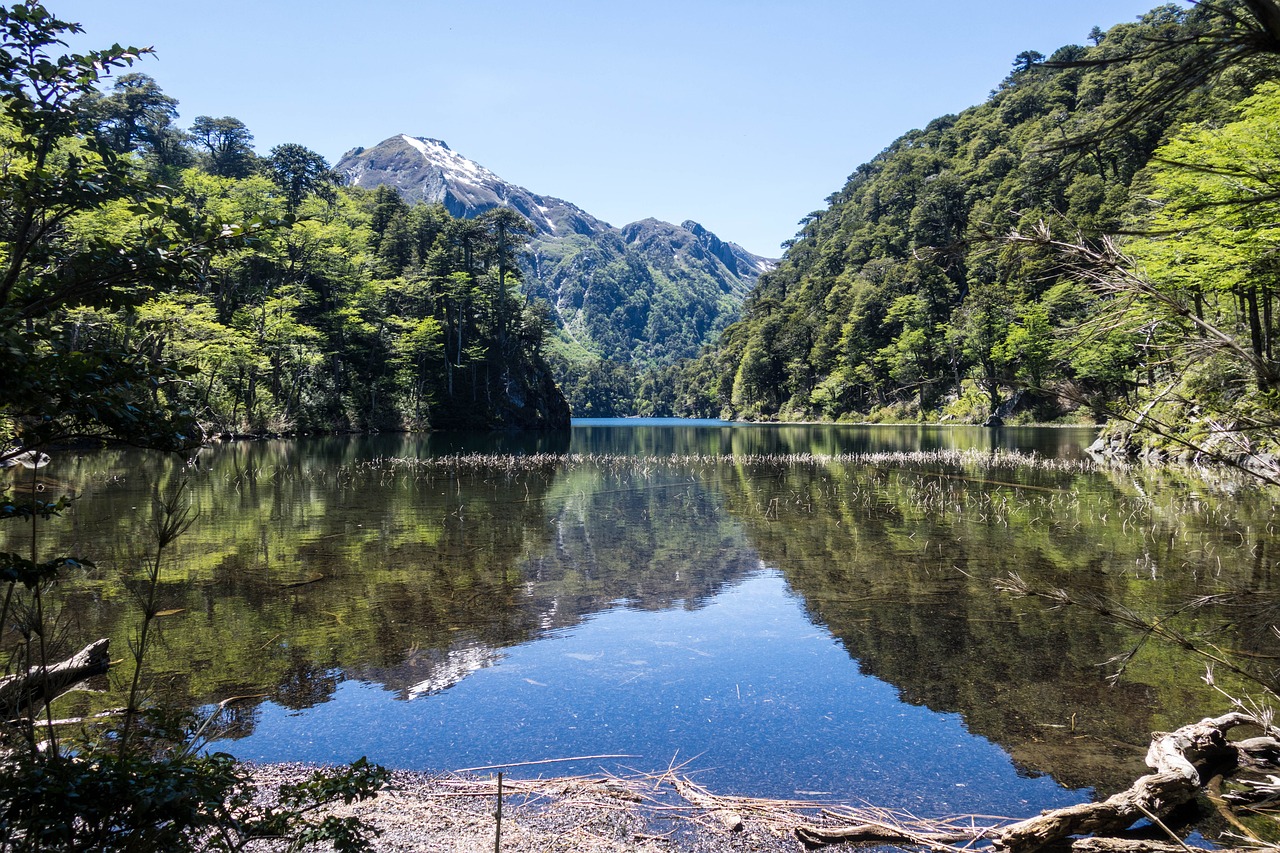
421, 812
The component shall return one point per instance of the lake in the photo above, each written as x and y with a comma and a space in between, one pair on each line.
782, 611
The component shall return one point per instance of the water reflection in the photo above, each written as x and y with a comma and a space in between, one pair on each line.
744, 687
674, 436
817, 626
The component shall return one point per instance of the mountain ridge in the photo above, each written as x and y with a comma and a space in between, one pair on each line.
428, 170
467, 189
643, 295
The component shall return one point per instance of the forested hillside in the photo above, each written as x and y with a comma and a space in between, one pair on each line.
633, 300
962, 273
622, 299
305, 305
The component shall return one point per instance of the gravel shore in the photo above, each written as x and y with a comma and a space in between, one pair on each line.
419, 812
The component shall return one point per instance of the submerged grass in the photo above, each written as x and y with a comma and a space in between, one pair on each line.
497, 463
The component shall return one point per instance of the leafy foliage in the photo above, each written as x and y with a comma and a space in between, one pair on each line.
897, 300
1193, 292
87, 245
105, 800
358, 312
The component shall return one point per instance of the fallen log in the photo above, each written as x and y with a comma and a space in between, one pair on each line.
1133, 845
878, 833
24, 694
1183, 762
697, 796
1173, 755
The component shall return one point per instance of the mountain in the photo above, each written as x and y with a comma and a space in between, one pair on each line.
643, 295
428, 170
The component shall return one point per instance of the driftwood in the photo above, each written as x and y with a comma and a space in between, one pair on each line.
1133, 845
24, 694
879, 833
1173, 756
1183, 761
730, 819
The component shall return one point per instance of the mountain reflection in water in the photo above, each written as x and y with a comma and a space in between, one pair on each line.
817, 625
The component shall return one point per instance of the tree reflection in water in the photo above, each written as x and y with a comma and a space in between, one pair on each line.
318, 564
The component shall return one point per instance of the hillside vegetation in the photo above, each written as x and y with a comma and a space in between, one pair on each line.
963, 271
292, 303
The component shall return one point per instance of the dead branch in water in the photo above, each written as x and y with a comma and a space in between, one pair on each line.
1133, 845
23, 695
1184, 761
1177, 759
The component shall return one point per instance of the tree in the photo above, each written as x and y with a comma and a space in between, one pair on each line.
1192, 293
227, 144
982, 327
386, 204
1210, 244
397, 248
427, 222
300, 172
1028, 348
761, 372
604, 391
418, 354
136, 114
1189, 54
58, 169
508, 233
80, 231
909, 358
1025, 61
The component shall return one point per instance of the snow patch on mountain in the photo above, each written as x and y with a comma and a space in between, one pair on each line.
449, 161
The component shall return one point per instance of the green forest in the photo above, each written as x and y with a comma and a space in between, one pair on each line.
252, 293
1094, 242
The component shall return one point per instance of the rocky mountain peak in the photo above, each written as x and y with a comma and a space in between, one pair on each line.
426, 169
453, 165
649, 292
731, 255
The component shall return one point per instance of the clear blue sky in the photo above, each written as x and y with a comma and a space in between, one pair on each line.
741, 115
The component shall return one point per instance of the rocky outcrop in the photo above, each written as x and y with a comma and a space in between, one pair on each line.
525, 398
733, 256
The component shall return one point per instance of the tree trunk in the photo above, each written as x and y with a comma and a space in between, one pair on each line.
23, 695
1172, 755
1255, 338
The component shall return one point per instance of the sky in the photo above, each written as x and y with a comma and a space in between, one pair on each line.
743, 115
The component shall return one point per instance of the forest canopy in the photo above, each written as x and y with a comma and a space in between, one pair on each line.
962, 273
246, 293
